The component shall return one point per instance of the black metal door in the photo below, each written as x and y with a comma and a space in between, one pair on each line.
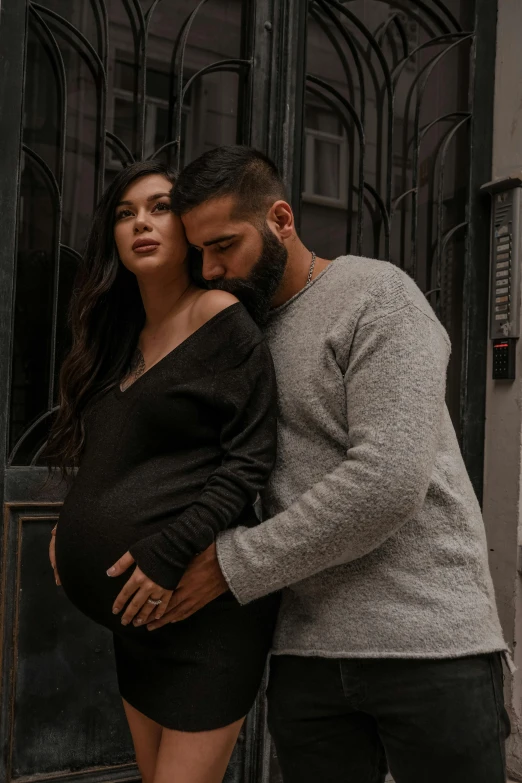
86, 87
370, 109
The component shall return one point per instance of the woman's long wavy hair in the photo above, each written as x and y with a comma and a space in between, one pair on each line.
106, 316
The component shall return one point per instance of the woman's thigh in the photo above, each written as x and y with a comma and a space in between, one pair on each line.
195, 757
146, 738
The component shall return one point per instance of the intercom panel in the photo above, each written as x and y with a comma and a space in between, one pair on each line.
504, 301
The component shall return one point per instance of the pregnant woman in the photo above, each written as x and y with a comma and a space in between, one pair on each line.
167, 407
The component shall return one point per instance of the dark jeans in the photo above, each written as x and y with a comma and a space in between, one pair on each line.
347, 720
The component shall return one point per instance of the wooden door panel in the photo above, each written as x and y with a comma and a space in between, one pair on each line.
66, 712
65, 717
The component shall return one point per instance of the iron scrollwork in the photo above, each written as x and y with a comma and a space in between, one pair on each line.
375, 63
58, 31
407, 157
403, 199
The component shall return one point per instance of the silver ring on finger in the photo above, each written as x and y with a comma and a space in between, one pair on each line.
154, 601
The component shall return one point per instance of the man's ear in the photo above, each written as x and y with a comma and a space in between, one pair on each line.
281, 219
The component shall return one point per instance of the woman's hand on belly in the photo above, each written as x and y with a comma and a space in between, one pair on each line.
144, 591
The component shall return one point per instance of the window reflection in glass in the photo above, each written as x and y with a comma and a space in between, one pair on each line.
324, 172
327, 160
414, 187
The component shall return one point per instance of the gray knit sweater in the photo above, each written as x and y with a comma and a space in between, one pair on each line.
374, 533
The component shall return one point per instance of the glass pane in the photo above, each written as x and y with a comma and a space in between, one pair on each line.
123, 125
323, 120
33, 305
210, 114
68, 267
327, 160
84, 15
42, 101
219, 94
158, 84
161, 118
125, 75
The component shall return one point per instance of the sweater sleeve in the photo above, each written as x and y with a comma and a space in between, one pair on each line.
245, 404
395, 400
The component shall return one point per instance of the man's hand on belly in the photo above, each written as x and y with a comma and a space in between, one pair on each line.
200, 584
142, 588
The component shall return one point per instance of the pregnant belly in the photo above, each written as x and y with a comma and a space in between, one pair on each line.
84, 552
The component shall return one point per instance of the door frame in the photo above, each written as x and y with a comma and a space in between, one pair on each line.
13, 33
475, 342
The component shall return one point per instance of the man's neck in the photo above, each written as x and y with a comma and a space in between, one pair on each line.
296, 273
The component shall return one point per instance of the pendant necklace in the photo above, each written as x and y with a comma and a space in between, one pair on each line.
312, 267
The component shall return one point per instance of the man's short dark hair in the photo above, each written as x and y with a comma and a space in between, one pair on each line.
242, 172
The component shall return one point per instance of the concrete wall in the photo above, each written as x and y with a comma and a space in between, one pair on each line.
503, 486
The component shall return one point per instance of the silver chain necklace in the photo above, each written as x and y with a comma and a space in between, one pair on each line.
312, 267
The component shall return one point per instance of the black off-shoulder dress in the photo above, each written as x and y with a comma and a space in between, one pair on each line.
167, 464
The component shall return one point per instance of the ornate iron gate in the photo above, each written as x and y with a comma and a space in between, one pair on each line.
379, 115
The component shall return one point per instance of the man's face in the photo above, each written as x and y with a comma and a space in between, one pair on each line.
235, 255
229, 247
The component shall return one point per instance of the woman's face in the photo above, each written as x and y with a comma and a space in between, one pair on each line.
149, 236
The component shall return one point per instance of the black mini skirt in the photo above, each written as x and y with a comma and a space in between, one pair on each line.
201, 673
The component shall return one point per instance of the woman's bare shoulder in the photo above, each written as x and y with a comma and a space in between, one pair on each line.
209, 304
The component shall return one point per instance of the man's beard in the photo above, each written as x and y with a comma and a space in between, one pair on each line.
258, 289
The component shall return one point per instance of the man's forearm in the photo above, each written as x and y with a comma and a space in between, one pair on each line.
382, 483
